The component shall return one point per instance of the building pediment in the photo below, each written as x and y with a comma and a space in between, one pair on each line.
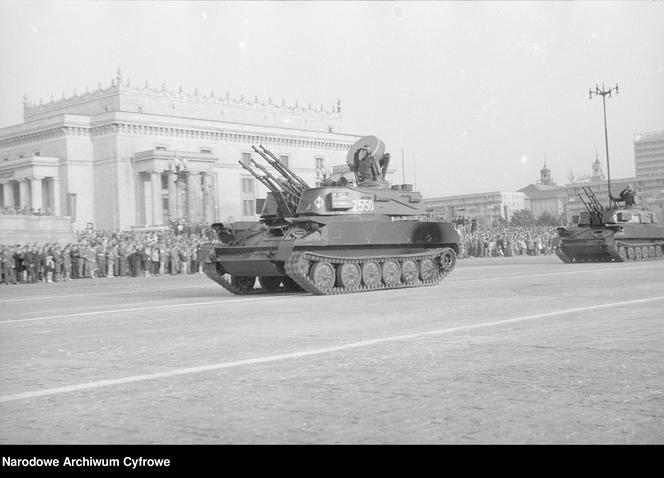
166, 160
33, 167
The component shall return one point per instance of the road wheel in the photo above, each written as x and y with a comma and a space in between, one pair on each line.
427, 269
658, 252
245, 284
304, 265
322, 275
448, 261
409, 271
644, 252
269, 282
637, 252
651, 252
622, 253
349, 276
630, 252
391, 273
371, 274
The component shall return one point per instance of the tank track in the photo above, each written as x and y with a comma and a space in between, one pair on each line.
646, 251
300, 264
619, 252
238, 288
561, 254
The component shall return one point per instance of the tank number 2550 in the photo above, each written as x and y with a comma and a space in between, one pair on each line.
361, 205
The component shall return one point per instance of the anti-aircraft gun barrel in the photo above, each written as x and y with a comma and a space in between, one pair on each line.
279, 168
588, 208
284, 170
263, 179
594, 201
274, 188
285, 186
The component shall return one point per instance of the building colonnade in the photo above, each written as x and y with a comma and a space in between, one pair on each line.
169, 195
36, 193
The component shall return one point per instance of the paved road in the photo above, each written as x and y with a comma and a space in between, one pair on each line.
505, 350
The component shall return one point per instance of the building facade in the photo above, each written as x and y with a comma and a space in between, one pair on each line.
488, 208
545, 196
127, 155
649, 154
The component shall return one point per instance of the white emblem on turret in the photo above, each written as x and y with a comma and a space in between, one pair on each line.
318, 202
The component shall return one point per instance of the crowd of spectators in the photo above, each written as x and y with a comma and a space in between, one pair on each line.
9, 210
98, 254
505, 240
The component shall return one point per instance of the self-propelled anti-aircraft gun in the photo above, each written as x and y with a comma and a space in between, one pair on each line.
621, 232
337, 238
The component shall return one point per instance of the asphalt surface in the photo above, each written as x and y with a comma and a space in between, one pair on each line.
504, 350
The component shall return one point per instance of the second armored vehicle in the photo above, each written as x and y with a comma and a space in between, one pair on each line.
621, 232
337, 238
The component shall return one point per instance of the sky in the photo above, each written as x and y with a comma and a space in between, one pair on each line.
474, 95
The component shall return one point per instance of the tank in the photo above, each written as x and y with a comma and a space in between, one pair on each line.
621, 232
341, 237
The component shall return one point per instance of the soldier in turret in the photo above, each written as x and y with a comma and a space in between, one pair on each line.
365, 164
627, 195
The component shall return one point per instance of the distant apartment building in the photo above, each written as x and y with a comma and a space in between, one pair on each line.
649, 154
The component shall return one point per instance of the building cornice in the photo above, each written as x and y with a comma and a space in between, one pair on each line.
123, 86
136, 124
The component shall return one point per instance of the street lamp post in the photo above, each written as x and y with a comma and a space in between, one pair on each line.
177, 165
603, 93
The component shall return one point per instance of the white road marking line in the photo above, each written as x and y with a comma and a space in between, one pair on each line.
305, 353
134, 309
123, 292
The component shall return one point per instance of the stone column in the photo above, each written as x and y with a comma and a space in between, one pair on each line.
208, 199
8, 193
36, 199
157, 208
214, 199
55, 182
140, 199
23, 194
172, 194
193, 196
199, 199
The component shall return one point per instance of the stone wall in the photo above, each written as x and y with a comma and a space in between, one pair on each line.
19, 229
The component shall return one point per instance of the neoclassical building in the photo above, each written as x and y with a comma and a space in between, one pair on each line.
129, 155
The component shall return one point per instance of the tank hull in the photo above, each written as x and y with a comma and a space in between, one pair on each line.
350, 246
610, 243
